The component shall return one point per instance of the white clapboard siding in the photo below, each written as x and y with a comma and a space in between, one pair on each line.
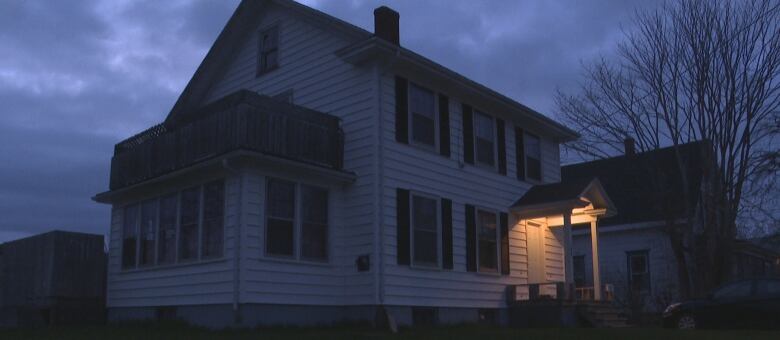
320, 81
206, 282
413, 168
613, 260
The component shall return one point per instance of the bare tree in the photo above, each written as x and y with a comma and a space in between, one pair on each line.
689, 71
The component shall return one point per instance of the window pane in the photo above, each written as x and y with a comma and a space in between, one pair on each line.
423, 112
488, 255
315, 204
638, 264
425, 228
533, 147
485, 138
314, 241
425, 247
314, 230
190, 210
270, 39
148, 231
270, 59
579, 271
423, 129
421, 101
213, 219
534, 168
129, 236
279, 240
281, 199
167, 235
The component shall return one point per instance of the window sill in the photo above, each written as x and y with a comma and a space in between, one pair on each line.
293, 261
421, 267
182, 264
434, 150
489, 274
266, 71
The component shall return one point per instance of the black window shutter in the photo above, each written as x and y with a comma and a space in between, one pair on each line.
401, 110
471, 239
501, 140
444, 125
504, 221
468, 134
402, 226
446, 233
520, 153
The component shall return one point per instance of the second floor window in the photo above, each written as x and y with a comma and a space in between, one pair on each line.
269, 50
422, 111
533, 157
487, 241
425, 231
484, 139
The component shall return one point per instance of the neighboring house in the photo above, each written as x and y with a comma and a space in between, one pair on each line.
636, 257
756, 257
313, 172
53, 278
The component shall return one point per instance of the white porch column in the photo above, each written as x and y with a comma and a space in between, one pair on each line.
594, 244
567, 253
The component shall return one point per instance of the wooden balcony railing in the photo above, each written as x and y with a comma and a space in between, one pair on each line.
241, 121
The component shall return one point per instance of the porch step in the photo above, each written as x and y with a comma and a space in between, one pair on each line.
603, 315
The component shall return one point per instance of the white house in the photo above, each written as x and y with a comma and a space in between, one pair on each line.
313, 172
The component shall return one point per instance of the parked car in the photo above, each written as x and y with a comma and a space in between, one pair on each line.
753, 303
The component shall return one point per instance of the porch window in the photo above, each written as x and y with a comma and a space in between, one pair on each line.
485, 139
487, 235
166, 250
190, 215
314, 227
148, 231
422, 108
425, 231
533, 156
638, 272
269, 50
280, 220
129, 236
213, 219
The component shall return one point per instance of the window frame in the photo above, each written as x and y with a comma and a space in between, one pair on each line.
201, 245
177, 261
137, 232
475, 113
478, 228
156, 204
646, 254
439, 260
575, 259
410, 118
261, 69
526, 136
297, 224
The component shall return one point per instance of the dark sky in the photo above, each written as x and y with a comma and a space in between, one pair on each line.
76, 77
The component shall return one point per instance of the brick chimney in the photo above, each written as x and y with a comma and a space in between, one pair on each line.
630, 147
386, 24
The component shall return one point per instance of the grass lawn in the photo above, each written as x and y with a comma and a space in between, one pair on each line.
175, 331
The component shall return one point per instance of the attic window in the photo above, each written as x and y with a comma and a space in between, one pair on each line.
269, 50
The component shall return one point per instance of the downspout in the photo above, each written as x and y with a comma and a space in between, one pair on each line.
237, 242
381, 70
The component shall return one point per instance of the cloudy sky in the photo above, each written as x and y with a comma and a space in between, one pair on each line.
76, 77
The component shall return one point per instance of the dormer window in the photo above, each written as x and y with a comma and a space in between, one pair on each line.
485, 139
269, 50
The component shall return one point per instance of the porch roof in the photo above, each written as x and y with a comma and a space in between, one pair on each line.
557, 198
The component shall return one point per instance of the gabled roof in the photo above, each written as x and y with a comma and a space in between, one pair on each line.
646, 186
241, 24
556, 198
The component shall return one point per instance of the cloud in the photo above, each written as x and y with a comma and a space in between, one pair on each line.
76, 77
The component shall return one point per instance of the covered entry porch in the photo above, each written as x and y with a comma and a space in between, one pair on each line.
547, 213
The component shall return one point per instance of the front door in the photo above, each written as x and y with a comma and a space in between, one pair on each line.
535, 247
